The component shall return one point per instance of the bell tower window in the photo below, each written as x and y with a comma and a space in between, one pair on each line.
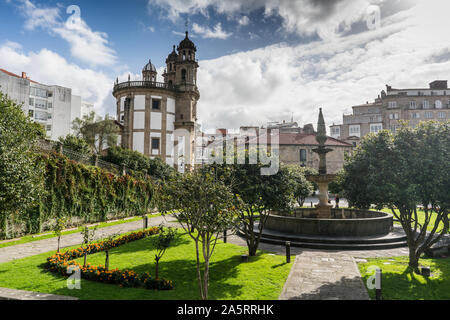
183, 74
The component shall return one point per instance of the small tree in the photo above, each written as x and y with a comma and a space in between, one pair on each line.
401, 172
258, 194
76, 144
108, 245
162, 242
205, 207
58, 227
301, 187
88, 237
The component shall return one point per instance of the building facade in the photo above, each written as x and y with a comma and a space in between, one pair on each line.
160, 119
392, 107
54, 107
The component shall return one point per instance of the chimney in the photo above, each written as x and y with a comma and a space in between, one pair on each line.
24, 75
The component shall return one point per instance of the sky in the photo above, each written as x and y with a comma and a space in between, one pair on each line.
260, 60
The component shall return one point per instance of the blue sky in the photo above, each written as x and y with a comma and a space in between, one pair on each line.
260, 60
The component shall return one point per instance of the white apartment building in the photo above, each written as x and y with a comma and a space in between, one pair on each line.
54, 107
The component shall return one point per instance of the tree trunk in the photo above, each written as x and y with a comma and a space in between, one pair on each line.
199, 274
3, 226
85, 258
107, 260
414, 260
157, 269
59, 240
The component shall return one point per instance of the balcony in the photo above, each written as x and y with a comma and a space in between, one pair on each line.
153, 85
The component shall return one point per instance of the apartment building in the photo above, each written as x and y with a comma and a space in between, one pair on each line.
393, 106
54, 107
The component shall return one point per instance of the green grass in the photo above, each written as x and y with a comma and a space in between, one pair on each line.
400, 283
262, 278
421, 216
45, 235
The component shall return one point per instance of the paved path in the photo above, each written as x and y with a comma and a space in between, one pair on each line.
33, 248
324, 276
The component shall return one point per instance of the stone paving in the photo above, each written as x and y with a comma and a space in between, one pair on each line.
33, 248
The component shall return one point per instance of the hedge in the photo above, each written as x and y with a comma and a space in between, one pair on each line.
60, 262
82, 194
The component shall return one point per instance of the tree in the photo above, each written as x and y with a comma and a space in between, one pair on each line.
88, 237
205, 207
21, 175
58, 227
76, 144
136, 161
96, 131
162, 242
258, 195
301, 187
401, 172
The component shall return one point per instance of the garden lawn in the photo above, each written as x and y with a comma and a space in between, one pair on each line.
421, 215
262, 278
399, 283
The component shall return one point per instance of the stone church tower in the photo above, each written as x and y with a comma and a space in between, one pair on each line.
159, 119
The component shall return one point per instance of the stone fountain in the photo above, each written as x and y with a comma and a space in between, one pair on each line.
325, 227
323, 178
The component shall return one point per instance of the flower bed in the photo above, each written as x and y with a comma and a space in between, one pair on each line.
59, 263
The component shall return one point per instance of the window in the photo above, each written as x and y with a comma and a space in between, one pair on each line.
156, 104
41, 93
392, 104
31, 113
438, 104
302, 155
183, 74
442, 115
426, 104
49, 116
335, 132
31, 102
49, 105
412, 105
376, 127
32, 91
354, 130
122, 118
415, 115
41, 104
393, 116
39, 115
428, 115
155, 144
49, 127
394, 128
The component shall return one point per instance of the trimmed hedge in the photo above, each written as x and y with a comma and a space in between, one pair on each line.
60, 262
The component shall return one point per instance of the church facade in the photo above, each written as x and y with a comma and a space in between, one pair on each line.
158, 119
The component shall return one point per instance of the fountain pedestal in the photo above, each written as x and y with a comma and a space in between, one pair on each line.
322, 180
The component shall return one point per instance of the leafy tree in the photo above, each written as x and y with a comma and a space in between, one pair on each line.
205, 207
301, 187
58, 228
404, 171
76, 144
136, 161
258, 194
162, 242
97, 131
21, 175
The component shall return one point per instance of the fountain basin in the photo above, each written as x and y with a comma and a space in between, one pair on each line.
343, 223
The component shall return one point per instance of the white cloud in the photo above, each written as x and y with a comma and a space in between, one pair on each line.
304, 17
85, 44
244, 21
49, 68
250, 88
216, 33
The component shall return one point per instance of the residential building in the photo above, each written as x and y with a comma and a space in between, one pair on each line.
54, 107
393, 106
